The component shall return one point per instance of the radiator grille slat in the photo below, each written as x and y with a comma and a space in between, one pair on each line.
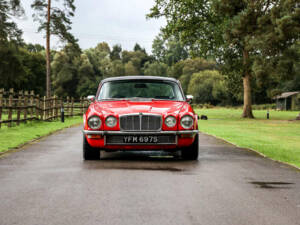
140, 122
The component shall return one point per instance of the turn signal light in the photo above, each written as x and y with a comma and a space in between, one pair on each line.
94, 136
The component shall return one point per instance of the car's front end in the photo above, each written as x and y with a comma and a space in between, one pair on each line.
132, 122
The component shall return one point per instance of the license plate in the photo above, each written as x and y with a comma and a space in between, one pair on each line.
140, 139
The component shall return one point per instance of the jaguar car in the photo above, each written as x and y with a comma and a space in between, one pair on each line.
138, 113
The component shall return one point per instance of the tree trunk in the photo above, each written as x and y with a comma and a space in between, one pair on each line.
247, 109
48, 67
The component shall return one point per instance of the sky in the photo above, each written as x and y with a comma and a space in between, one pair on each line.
113, 21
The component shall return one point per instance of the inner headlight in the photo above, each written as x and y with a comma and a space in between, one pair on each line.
94, 122
170, 121
111, 121
187, 122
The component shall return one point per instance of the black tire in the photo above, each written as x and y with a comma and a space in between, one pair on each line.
191, 152
89, 153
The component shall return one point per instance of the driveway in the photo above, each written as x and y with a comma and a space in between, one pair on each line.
49, 183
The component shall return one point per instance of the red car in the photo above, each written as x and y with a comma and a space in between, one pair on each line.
140, 113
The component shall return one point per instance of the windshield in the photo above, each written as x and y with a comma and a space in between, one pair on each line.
153, 89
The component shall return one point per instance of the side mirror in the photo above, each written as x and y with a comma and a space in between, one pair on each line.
189, 98
91, 98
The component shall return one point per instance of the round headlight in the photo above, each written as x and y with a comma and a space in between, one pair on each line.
170, 121
187, 122
111, 121
94, 122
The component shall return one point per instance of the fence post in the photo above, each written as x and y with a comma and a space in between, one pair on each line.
25, 106
62, 110
31, 104
1, 104
54, 107
10, 104
44, 108
68, 108
81, 106
72, 106
19, 105
37, 106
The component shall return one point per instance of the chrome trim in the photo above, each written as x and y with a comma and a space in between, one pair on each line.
140, 117
104, 132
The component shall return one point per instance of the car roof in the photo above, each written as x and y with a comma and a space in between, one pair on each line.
139, 77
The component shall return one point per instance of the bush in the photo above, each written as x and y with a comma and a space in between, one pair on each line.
208, 86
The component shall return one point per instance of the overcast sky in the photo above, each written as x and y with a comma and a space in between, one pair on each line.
114, 21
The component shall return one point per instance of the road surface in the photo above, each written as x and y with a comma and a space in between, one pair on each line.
49, 183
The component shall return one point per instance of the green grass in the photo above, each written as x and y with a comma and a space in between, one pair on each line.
277, 138
18, 135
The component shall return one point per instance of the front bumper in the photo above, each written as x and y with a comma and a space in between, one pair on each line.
98, 139
97, 132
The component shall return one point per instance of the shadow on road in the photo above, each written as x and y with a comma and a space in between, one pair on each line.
142, 160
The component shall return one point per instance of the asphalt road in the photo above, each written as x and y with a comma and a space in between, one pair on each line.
49, 183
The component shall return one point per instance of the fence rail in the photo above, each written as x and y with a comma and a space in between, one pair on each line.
20, 107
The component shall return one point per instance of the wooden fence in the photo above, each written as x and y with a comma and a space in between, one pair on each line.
24, 106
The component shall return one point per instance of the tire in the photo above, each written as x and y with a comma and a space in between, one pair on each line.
191, 152
89, 153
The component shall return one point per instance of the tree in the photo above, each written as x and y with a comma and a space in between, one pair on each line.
117, 69
155, 69
8, 28
190, 66
137, 47
228, 29
65, 67
137, 59
208, 86
21, 69
54, 21
116, 52
169, 51
87, 79
130, 69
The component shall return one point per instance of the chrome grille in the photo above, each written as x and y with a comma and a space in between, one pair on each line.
140, 122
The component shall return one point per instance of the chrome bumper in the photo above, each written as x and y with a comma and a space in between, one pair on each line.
98, 132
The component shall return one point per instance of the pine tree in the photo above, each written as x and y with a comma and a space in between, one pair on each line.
54, 21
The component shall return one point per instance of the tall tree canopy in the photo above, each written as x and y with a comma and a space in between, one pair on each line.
235, 32
8, 28
55, 20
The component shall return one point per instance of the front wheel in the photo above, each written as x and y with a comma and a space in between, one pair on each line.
89, 153
191, 152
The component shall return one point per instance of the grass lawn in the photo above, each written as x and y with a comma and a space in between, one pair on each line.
18, 135
277, 138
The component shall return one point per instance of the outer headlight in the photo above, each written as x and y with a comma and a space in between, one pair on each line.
111, 121
170, 121
94, 122
187, 122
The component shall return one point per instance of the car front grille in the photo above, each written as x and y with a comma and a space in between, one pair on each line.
140, 122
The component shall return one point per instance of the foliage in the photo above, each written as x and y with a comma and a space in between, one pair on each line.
65, 71
207, 86
60, 23
8, 28
21, 69
115, 54
168, 51
236, 33
190, 66
155, 69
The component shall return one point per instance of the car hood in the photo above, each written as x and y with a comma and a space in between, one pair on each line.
128, 107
